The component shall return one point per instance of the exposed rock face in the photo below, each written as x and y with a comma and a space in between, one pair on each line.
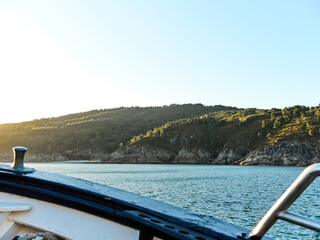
198, 156
284, 154
141, 155
148, 155
229, 157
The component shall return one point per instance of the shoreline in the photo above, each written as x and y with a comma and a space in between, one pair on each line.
281, 154
130, 163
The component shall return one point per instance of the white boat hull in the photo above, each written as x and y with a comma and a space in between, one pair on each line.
16, 220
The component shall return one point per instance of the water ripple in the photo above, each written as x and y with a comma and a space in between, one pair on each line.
237, 194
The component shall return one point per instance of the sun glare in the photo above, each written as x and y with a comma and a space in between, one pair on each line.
37, 74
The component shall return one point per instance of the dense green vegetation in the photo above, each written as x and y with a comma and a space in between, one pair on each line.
247, 128
100, 131
192, 126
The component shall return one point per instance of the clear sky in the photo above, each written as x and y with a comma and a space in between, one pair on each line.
65, 56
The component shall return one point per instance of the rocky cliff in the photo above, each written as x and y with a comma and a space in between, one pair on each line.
282, 154
148, 155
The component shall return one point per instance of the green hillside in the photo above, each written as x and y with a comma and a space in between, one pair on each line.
248, 128
169, 128
101, 131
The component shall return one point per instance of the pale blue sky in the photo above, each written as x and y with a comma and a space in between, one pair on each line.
60, 57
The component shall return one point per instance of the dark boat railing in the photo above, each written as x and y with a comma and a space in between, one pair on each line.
278, 210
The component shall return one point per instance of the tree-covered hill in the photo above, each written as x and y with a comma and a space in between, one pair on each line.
238, 131
189, 133
99, 131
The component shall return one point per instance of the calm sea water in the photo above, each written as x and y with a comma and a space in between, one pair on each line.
237, 194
